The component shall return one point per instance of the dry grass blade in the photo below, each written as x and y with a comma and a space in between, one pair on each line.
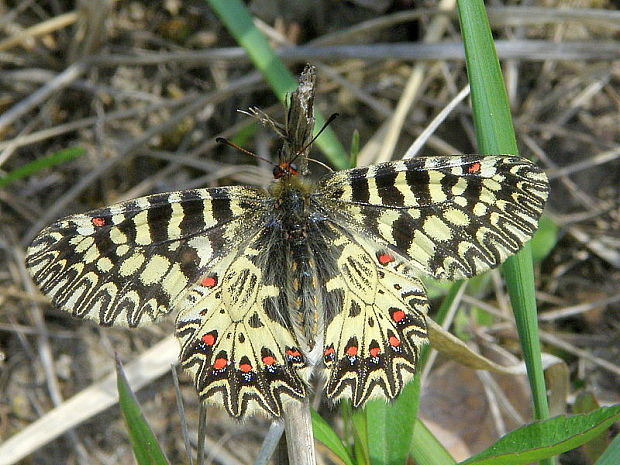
40, 29
87, 180
577, 309
150, 365
413, 87
63, 79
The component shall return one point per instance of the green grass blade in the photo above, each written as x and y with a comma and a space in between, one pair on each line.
42, 163
546, 438
427, 450
143, 442
611, 456
359, 421
495, 134
390, 426
238, 21
355, 149
544, 239
324, 433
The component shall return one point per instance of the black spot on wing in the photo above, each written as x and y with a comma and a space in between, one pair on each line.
385, 180
128, 226
193, 213
221, 209
402, 231
255, 321
355, 309
158, 218
418, 181
359, 186
447, 183
473, 189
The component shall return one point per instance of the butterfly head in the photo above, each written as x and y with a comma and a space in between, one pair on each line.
284, 169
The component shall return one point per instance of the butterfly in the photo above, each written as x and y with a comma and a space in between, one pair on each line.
305, 278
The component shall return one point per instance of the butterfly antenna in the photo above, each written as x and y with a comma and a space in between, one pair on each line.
329, 120
224, 141
320, 163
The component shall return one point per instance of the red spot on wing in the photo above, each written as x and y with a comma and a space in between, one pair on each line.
269, 360
209, 281
330, 350
398, 315
374, 351
245, 367
474, 168
394, 342
220, 363
98, 222
208, 339
385, 258
293, 352
352, 351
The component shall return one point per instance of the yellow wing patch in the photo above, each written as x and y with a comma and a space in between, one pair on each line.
237, 354
372, 345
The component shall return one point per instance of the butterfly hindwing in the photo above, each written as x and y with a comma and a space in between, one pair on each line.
372, 345
451, 217
239, 352
131, 262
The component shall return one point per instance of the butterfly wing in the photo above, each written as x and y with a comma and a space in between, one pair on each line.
372, 345
451, 217
134, 261
236, 340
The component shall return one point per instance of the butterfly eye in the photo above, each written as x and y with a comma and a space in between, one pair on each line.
278, 172
283, 169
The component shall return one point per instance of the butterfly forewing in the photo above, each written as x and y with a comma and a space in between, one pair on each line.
133, 262
452, 217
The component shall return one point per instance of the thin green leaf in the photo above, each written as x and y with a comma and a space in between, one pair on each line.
41, 164
390, 426
390, 445
360, 437
238, 21
244, 133
495, 134
611, 456
546, 438
355, 148
143, 442
324, 433
355, 432
593, 449
544, 239
427, 450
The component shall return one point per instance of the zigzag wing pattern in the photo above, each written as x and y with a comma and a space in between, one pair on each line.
239, 350
452, 217
371, 346
132, 262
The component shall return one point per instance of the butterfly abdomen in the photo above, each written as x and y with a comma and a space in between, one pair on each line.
301, 275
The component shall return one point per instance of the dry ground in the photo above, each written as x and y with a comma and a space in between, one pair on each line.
146, 96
